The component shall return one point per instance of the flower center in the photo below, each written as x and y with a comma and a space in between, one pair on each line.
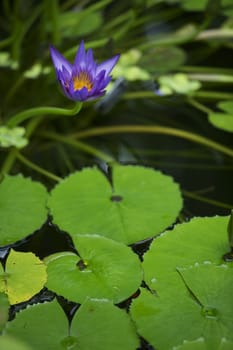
82, 80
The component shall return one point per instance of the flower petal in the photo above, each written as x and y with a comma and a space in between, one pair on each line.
59, 61
80, 58
107, 65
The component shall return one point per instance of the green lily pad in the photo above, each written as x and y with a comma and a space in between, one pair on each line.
163, 59
4, 306
96, 325
201, 239
9, 343
105, 269
76, 21
205, 310
141, 203
23, 277
110, 327
42, 326
194, 5
23, 208
12, 137
127, 67
200, 344
223, 121
178, 83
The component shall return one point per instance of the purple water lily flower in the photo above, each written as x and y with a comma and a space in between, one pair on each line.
85, 80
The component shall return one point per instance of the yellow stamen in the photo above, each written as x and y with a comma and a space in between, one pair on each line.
82, 80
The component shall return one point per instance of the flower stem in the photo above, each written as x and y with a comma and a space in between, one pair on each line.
200, 94
38, 111
9, 161
79, 145
207, 200
154, 129
37, 168
199, 106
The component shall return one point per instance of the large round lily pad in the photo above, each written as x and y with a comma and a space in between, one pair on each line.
110, 327
97, 325
204, 310
200, 240
22, 208
141, 203
42, 326
105, 269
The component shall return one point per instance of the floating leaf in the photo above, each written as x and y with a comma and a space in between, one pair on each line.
178, 83
4, 306
141, 204
204, 310
42, 326
201, 239
110, 327
223, 121
73, 21
194, 5
12, 137
24, 276
105, 269
10, 343
6, 61
36, 70
23, 208
127, 67
96, 325
162, 59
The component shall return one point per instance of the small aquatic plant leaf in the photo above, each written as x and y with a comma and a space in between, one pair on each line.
10, 343
24, 276
42, 326
23, 208
110, 327
128, 68
200, 344
204, 310
201, 239
105, 269
162, 59
223, 121
193, 5
178, 83
12, 137
4, 306
73, 22
141, 203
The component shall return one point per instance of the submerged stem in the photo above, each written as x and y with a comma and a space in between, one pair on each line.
37, 168
79, 145
154, 129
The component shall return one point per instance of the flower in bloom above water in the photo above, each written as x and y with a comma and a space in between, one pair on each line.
85, 79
